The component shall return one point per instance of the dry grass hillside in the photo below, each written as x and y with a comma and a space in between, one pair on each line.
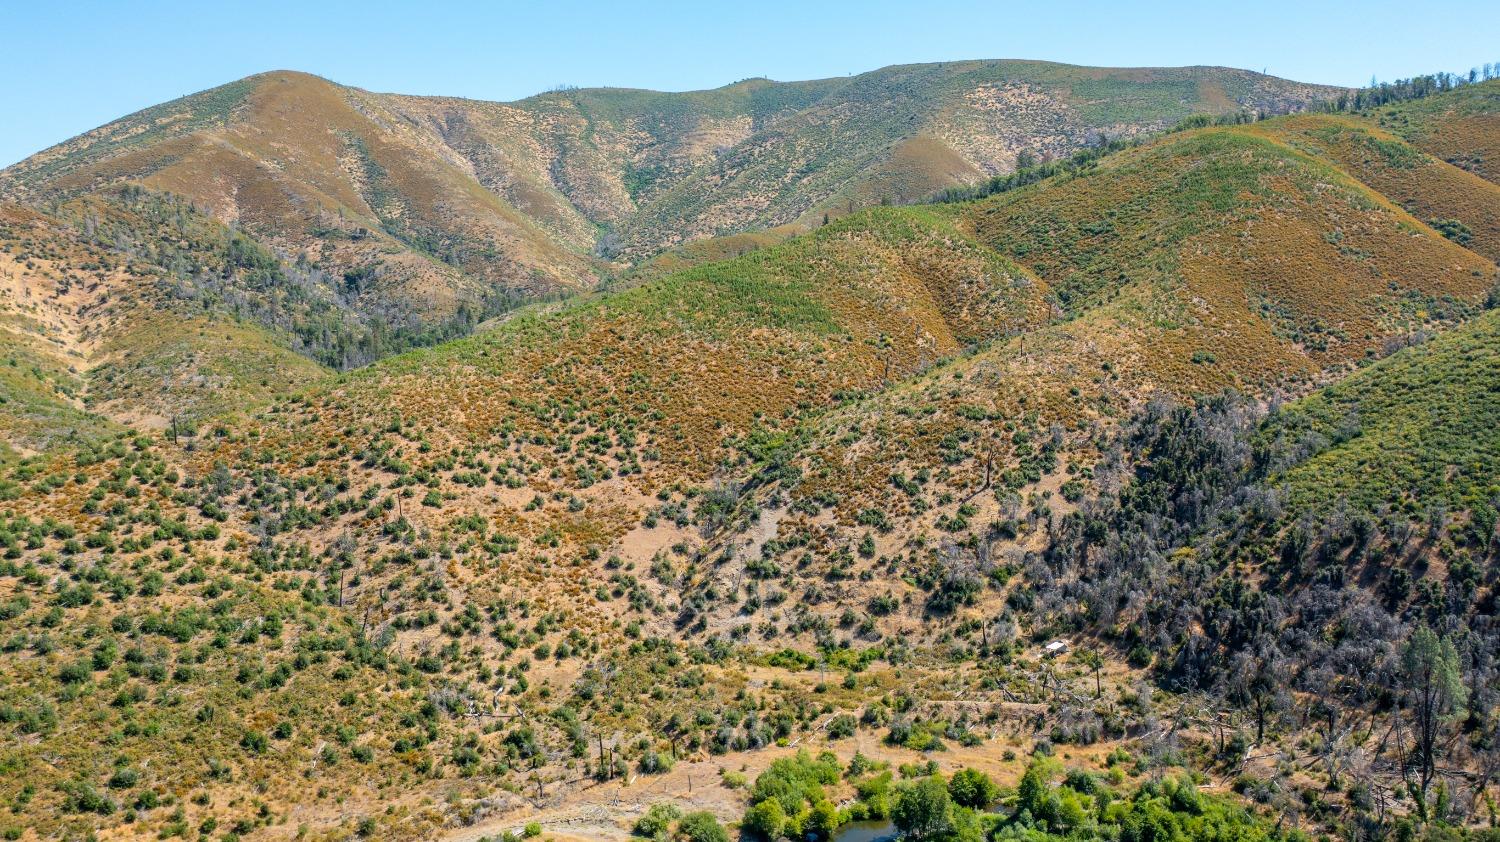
610, 405
94, 336
326, 175
1211, 260
902, 133
1451, 200
832, 490
1462, 128
430, 204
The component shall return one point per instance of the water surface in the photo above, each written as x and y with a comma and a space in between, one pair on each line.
874, 830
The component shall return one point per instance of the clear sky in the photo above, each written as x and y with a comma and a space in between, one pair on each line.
71, 66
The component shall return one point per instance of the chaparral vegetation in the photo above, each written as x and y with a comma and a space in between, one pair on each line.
988, 450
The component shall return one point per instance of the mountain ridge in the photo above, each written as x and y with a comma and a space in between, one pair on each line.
1215, 411
533, 189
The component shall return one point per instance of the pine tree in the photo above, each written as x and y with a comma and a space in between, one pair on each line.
1435, 695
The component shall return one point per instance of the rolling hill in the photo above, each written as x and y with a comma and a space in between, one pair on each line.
1207, 261
109, 319
1461, 128
434, 202
1216, 407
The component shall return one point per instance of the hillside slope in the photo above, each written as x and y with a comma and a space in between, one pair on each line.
1461, 127
902, 133
1210, 260
439, 201
1458, 203
1366, 509
101, 324
325, 175
471, 583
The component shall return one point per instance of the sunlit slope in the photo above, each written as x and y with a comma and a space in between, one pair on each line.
1455, 202
1210, 260
389, 598
1461, 126
901, 133
453, 197
323, 171
93, 333
900, 365
1417, 430
691, 358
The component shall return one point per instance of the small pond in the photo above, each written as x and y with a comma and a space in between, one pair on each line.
875, 830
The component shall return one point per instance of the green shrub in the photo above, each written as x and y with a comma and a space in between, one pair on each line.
657, 821
924, 810
765, 819
972, 788
701, 827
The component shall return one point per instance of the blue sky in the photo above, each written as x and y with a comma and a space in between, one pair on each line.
71, 67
